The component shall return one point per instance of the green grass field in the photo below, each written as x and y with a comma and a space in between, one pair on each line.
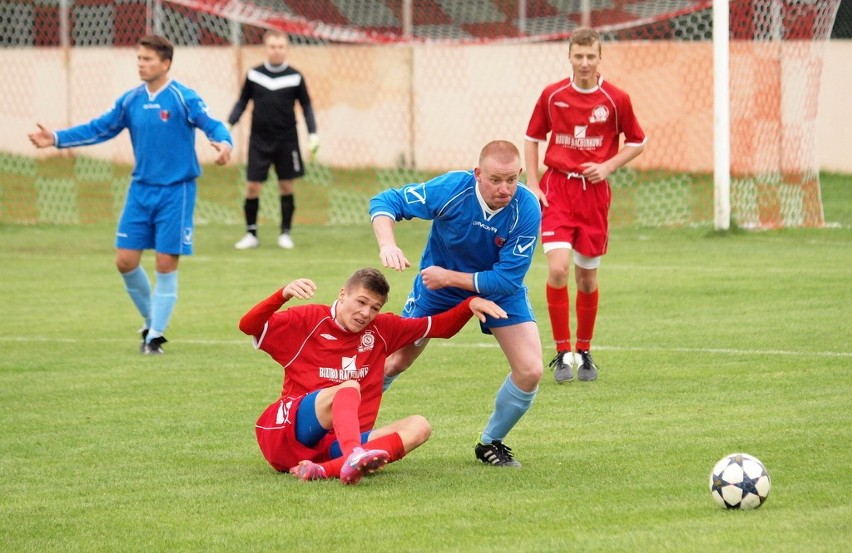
708, 344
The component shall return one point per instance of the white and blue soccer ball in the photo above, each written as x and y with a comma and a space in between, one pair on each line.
739, 481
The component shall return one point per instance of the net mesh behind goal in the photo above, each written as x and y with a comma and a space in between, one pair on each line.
406, 89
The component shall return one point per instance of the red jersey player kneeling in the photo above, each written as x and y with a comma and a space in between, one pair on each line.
333, 358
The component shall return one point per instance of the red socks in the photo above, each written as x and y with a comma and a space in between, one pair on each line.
344, 416
587, 312
391, 443
558, 309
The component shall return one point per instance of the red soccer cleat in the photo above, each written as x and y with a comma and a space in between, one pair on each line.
361, 462
308, 470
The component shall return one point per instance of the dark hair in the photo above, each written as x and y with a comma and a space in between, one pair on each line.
371, 279
159, 44
585, 36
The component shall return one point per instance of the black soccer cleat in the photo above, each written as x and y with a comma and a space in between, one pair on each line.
496, 454
144, 333
587, 370
155, 346
563, 365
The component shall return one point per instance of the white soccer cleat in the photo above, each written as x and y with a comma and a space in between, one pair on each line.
284, 241
247, 242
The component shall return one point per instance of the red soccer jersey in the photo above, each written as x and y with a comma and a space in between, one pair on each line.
316, 352
584, 125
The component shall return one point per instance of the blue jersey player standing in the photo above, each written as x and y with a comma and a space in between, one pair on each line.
484, 231
161, 116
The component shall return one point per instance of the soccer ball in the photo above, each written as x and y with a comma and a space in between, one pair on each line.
739, 481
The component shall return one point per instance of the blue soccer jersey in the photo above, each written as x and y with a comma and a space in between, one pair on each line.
497, 247
162, 129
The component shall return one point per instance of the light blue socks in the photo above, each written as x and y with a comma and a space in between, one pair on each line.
509, 407
139, 288
162, 303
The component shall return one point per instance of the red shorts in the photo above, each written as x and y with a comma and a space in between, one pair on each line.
276, 436
578, 213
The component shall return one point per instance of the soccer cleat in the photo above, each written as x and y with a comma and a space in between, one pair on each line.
587, 370
360, 462
563, 364
144, 333
284, 241
308, 470
496, 454
155, 346
247, 242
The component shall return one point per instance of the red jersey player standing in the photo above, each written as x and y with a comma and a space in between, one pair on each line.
585, 117
334, 360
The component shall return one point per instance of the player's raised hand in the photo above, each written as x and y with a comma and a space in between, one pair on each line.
482, 307
224, 152
42, 138
301, 288
393, 258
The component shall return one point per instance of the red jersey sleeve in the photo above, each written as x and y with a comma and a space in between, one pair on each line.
448, 323
253, 322
633, 133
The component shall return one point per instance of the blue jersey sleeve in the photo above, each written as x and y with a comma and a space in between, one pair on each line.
506, 276
97, 130
422, 200
198, 115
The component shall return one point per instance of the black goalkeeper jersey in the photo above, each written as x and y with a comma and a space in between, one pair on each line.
274, 91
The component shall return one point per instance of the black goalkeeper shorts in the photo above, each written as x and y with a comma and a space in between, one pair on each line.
285, 156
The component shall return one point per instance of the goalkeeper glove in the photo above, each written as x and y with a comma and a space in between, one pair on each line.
313, 143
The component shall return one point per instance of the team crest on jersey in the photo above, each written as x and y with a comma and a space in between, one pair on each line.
164, 115
368, 340
415, 194
524, 245
599, 115
499, 241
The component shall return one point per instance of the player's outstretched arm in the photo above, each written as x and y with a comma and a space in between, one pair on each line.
391, 255
43, 137
482, 307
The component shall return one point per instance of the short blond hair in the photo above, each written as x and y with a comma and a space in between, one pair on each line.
585, 36
502, 150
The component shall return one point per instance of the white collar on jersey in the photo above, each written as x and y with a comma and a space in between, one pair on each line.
334, 315
276, 68
487, 212
153, 95
587, 90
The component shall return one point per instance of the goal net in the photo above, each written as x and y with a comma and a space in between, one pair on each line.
405, 89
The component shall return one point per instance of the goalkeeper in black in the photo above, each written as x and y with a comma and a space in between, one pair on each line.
274, 87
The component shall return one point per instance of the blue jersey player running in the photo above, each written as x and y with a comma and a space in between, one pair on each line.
484, 231
161, 116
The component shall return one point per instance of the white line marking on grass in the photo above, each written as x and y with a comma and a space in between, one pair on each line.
451, 344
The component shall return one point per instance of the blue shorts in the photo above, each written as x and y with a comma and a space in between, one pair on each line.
423, 302
157, 217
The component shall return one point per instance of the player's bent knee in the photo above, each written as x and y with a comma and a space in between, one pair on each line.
415, 432
528, 378
350, 384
